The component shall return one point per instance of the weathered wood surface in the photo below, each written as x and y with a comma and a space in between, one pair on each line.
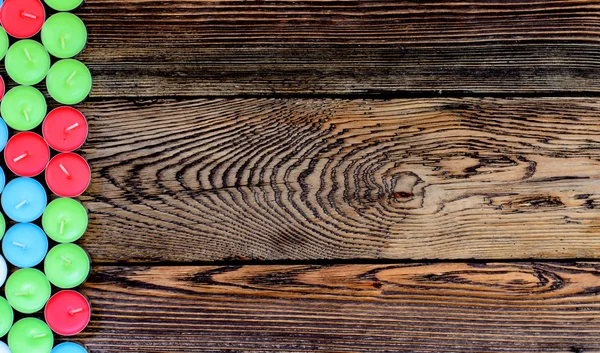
452, 307
277, 179
225, 48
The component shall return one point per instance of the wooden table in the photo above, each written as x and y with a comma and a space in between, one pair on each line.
343, 176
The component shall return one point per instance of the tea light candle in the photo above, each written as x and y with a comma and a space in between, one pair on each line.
2, 181
65, 220
25, 245
67, 313
3, 132
22, 18
3, 41
30, 335
27, 290
64, 35
65, 129
27, 62
2, 86
26, 154
3, 271
24, 200
67, 266
4, 348
23, 108
63, 5
6, 317
69, 81
68, 175
68, 347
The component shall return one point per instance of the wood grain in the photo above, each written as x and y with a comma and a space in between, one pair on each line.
145, 48
452, 307
277, 179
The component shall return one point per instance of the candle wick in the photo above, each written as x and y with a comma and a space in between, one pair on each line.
62, 167
71, 76
19, 244
69, 262
72, 127
27, 54
75, 311
22, 294
26, 113
62, 42
26, 14
16, 159
62, 226
40, 335
21, 204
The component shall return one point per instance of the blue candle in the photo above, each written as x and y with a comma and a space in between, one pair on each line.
4, 348
25, 245
2, 178
3, 271
24, 200
3, 134
68, 347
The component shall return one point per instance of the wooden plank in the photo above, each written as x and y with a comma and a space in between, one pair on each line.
451, 307
274, 179
145, 48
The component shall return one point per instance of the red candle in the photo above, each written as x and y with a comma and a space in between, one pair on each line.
67, 313
65, 129
22, 18
2, 88
68, 175
26, 154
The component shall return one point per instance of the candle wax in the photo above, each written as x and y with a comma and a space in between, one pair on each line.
64, 35
69, 81
6, 317
24, 200
27, 62
67, 266
63, 5
3, 41
3, 271
2, 183
30, 335
27, 290
4, 348
26, 154
25, 245
65, 220
22, 18
23, 108
68, 175
67, 313
3, 133
2, 86
65, 129
68, 347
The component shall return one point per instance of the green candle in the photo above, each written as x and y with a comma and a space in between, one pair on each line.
27, 290
27, 62
65, 220
63, 5
30, 335
67, 266
69, 81
23, 108
2, 227
64, 35
3, 42
6, 317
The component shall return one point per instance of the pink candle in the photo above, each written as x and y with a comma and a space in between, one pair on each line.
26, 154
22, 18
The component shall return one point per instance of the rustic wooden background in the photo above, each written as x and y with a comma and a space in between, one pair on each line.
344, 176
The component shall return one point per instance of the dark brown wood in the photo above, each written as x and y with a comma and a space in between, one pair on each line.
194, 47
276, 179
453, 307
